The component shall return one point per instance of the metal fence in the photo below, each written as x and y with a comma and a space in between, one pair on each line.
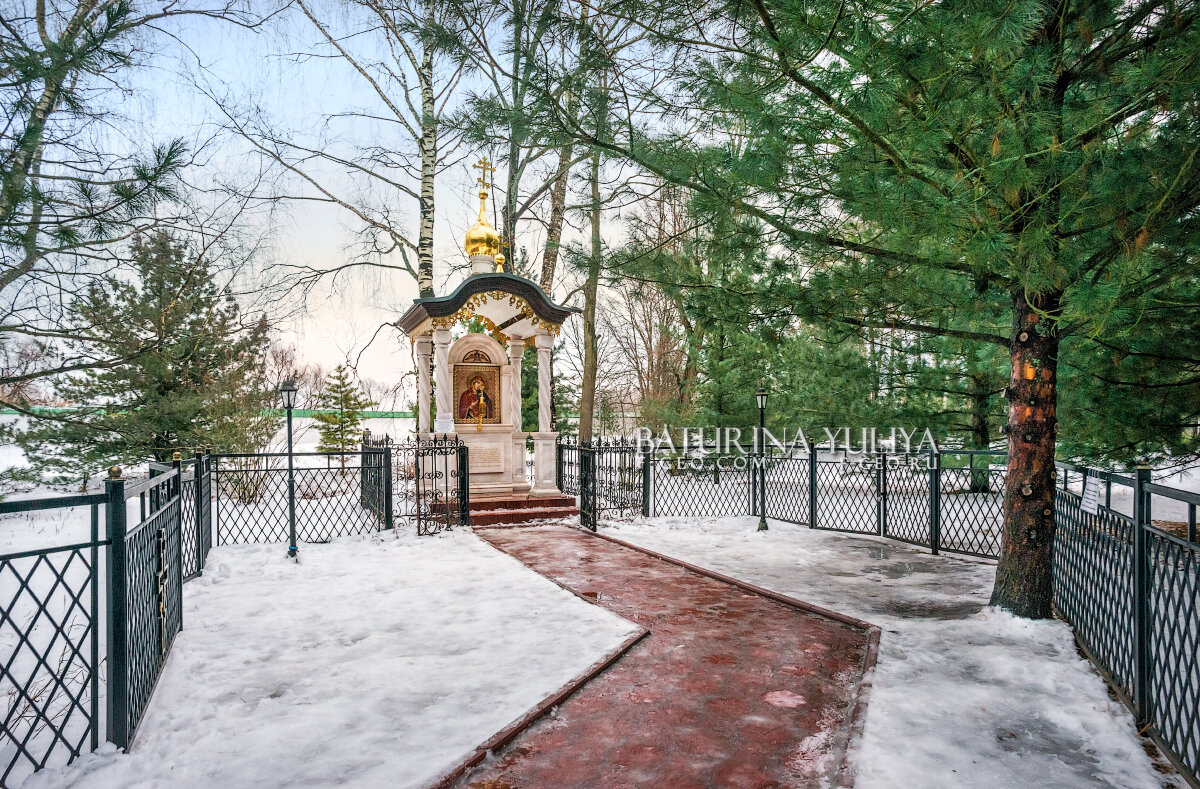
51, 631
113, 605
442, 484
195, 508
611, 476
946, 501
566, 465
254, 495
421, 482
65, 607
146, 573
1129, 587
1131, 591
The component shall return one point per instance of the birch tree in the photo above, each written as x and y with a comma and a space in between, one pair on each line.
378, 161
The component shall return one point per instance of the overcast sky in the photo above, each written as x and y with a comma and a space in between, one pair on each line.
258, 69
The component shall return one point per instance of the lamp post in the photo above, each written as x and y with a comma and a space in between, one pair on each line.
761, 397
288, 391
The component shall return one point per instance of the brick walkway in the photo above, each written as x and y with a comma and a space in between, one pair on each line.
732, 688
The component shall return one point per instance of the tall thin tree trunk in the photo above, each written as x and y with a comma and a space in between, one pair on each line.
587, 398
558, 193
428, 147
508, 222
558, 207
1024, 574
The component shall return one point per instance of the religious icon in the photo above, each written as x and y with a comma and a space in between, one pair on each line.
477, 386
474, 402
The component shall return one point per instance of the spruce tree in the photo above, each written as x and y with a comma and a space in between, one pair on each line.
191, 362
339, 421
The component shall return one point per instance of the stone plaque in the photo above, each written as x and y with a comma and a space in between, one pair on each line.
486, 458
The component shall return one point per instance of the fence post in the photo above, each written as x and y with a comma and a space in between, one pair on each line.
214, 483
812, 486
755, 468
646, 483
198, 476
881, 492
118, 617
363, 469
177, 487
1141, 585
558, 464
177, 463
387, 487
935, 501
464, 486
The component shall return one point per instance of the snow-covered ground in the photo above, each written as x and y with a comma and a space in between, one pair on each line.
376, 662
964, 695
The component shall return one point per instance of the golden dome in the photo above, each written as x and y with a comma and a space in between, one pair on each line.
482, 238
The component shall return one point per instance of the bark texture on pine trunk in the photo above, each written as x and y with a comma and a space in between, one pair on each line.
1024, 573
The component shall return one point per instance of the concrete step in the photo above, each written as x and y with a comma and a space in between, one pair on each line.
493, 517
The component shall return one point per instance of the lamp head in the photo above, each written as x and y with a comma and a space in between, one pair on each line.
288, 391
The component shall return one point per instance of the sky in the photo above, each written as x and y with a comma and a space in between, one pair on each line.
259, 70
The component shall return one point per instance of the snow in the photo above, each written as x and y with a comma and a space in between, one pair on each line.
1163, 508
377, 661
964, 695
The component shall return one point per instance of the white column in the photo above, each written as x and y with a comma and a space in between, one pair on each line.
423, 347
444, 423
544, 440
544, 342
516, 352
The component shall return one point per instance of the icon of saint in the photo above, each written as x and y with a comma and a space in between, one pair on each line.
474, 401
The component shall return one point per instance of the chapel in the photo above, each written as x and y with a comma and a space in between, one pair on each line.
476, 378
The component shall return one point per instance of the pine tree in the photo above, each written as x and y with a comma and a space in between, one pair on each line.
342, 404
191, 362
1022, 176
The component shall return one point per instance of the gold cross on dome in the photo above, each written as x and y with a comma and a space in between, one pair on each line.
485, 170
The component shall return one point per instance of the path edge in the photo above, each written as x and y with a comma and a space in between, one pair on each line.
845, 773
531, 716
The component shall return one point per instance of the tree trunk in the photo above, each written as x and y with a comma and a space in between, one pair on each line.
558, 194
1024, 574
587, 399
558, 207
981, 436
428, 146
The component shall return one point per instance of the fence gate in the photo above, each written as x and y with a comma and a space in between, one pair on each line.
442, 485
587, 487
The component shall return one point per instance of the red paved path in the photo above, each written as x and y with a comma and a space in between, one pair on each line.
731, 688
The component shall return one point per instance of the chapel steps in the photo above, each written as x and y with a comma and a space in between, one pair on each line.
490, 512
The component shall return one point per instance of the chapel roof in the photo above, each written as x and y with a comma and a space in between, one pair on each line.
509, 305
